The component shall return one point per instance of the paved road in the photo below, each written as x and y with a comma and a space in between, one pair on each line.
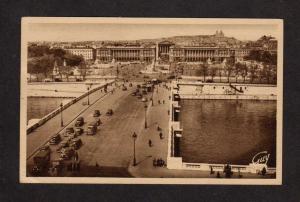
39, 136
112, 145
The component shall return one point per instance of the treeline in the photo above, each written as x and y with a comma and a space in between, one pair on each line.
41, 60
262, 56
241, 72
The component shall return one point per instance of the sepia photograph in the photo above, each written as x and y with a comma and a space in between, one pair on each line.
151, 100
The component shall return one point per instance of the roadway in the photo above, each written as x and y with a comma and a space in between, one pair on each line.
112, 145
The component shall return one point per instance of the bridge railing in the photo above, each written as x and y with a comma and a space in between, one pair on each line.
65, 106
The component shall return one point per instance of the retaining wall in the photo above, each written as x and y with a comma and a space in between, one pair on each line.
174, 162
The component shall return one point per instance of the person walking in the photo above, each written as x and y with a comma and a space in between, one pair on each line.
161, 135
154, 162
150, 143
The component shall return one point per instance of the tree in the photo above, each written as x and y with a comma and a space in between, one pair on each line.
237, 70
204, 68
213, 72
244, 71
229, 66
253, 72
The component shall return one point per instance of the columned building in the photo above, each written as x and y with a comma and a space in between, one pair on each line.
125, 53
87, 53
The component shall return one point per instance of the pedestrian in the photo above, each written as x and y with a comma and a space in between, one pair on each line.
158, 128
163, 101
154, 162
160, 135
150, 143
218, 175
158, 101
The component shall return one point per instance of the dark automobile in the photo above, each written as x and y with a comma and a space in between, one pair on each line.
138, 86
209, 81
78, 131
63, 144
45, 148
92, 129
109, 112
76, 143
98, 121
96, 113
55, 139
67, 153
69, 131
79, 121
36, 170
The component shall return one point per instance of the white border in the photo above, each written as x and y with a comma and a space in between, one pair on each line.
104, 180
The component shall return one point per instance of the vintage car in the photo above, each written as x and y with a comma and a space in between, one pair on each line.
96, 113
92, 128
79, 131
79, 121
76, 143
69, 131
109, 112
55, 139
67, 153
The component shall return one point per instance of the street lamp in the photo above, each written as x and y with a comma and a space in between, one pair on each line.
88, 89
134, 136
152, 95
61, 115
145, 106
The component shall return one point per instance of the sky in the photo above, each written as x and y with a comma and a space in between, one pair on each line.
100, 31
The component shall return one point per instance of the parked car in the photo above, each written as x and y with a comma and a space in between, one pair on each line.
144, 99
55, 139
96, 113
92, 128
57, 164
76, 143
78, 131
45, 148
69, 131
138, 86
98, 121
67, 153
79, 121
63, 144
36, 170
109, 112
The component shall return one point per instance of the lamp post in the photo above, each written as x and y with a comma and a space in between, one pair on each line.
145, 106
134, 136
61, 115
152, 96
88, 89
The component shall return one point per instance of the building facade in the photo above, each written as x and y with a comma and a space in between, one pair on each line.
125, 53
87, 53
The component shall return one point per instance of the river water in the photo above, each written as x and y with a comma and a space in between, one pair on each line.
38, 107
227, 131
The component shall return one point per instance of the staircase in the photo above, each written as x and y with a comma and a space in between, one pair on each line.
236, 89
